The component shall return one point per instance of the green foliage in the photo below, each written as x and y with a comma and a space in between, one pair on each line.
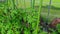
11, 19
43, 32
17, 20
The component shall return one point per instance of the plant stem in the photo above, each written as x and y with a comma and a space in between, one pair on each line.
39, 12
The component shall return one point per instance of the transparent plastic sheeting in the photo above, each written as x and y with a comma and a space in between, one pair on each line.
54, 10
27, 3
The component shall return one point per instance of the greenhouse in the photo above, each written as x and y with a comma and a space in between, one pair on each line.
29, 16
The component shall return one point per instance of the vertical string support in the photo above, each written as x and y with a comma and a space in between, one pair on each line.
24, 6
33, 3
13, 4
48, 10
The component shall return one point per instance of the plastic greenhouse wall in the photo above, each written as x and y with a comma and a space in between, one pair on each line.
53, 14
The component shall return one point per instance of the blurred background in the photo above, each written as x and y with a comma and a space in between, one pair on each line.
17, 16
